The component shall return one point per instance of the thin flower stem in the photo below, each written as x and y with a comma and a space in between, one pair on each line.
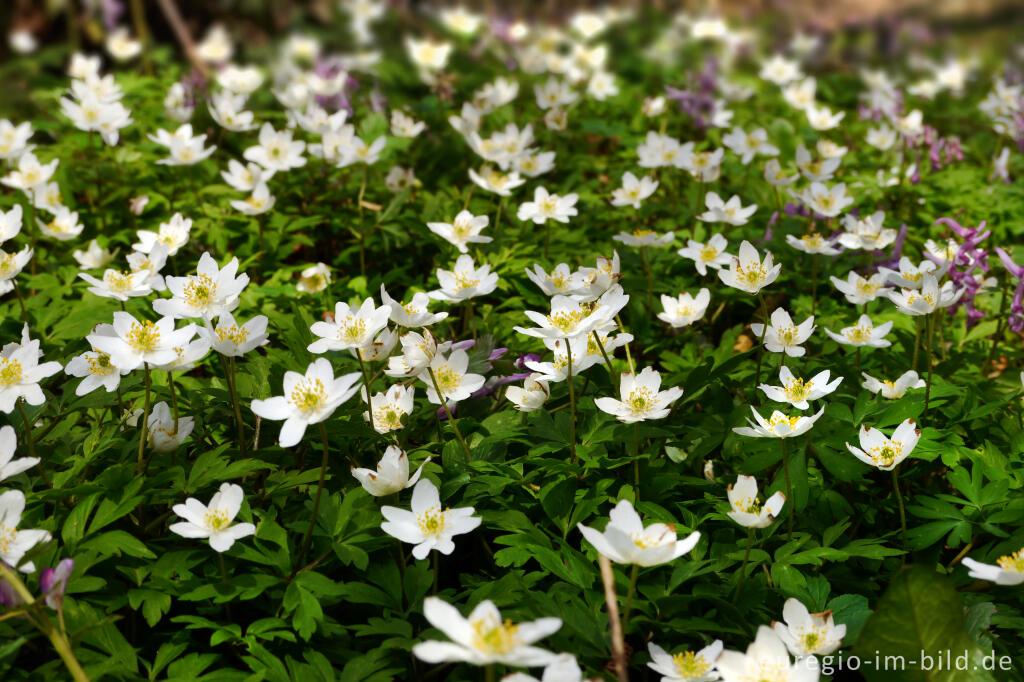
743, 566
999, 329
764, 333
917, 341
451, 418
607, 360
629, 358
789, 487
899, 501
324, 462
174, 401
362, 235
436, 563
497, 218
144, 423
633, 575
21, 300
31, 442
224, 579
572, 405
646, 256
814, 284
636, 461
229, 373
928, 385
489, 673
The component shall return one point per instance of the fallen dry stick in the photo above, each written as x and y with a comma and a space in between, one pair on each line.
618, 645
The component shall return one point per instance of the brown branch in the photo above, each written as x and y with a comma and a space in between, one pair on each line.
173, 17
618, 644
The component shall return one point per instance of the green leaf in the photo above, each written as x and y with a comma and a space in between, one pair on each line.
919, 621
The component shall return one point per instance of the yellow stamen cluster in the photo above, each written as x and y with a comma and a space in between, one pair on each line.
464, 281
566, 321
858, 334
7, 537
235, 334
7, 264
813, 639
217, 519
640, 400
143, 336
447, 379
865, 287
432, 522
750, 506
813, 240
788, 335
640, 234
752, 273
388, 418
1012, 563
549, 204
557, 280
494, 638
199, 291
10, 372
886, 454
690, 665
352, 330
118, 281
779, 418
308, 395
798, 390
99, 363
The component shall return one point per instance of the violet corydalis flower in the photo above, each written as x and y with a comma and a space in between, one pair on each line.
54, 583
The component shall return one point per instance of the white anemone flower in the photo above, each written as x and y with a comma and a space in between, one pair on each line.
214, 521
893, 390
779, 425
687, 666
625, 540
427, 525
308, 399
391, 475
641, 397
878, 450
798, 392
808, 634
484, 638
746, 508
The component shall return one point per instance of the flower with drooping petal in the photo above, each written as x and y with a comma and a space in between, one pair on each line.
484, 638
798, 392
417, 352
118, 285
641, 397
164, 433
813, 243
214, 521
885, 453
308, 399
496, 182
808, 634
427, 526
746, 508
8, 465
779, 425
570, 318
864, 333
464, 229
765, 659
685, 309
412, 314
688, 666
53, 583
14, 543
94, 257
910, 276
926, 300
893, 390
746, 145
531, 395
1008, 570
387, 409
626, 541
642, 237
351, 328
707, 255
731, 212
257, 203
859, 290
748, 272
392, 474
